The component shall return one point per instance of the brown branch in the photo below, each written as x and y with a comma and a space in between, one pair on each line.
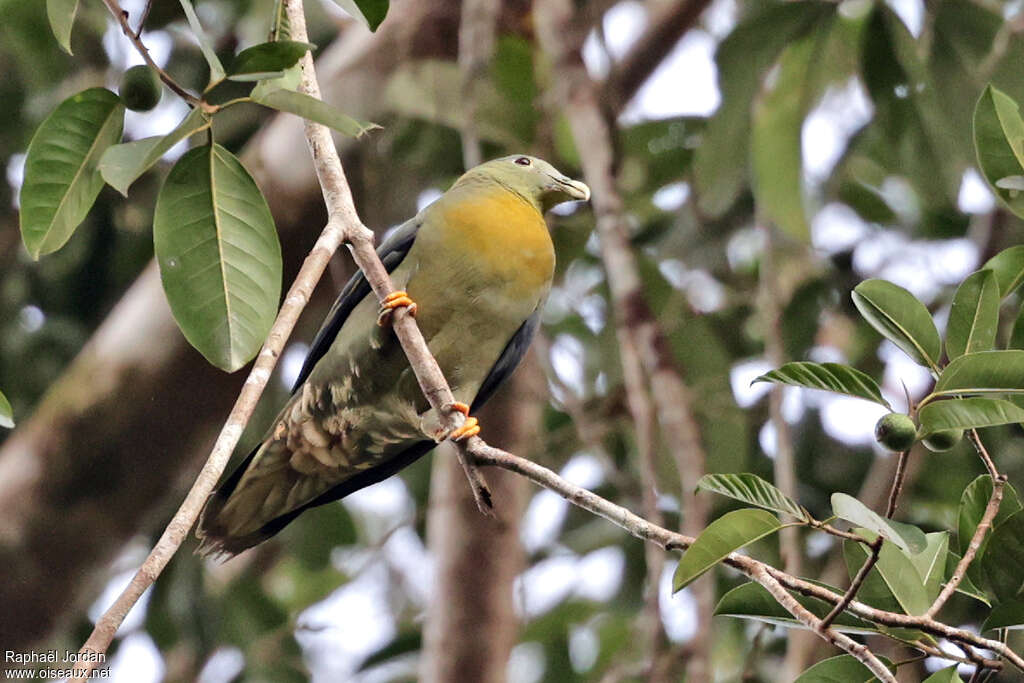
122, 18
642, 342
665, 28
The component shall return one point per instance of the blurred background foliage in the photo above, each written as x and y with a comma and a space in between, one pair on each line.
838, 135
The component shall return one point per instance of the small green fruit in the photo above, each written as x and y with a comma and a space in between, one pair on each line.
895, 431
140, 88
943, 440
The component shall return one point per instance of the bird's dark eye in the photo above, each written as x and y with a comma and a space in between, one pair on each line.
523, 161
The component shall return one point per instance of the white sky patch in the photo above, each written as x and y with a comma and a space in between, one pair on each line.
837, 228
225, 664
381, 507
744, 249
547, 583
137, 660
768, 439
542, 520
31, 318
827, 128
584, 647
818, 543
594, 311
851, 420
408, 556
567, 362
720, 17
118, 583
622, 26
911, 12
900, 371
974, 196
600, 574
339, 631
584, 471
15, 177
684, 84
428, 197
740, 377
671, 197
160, 121
291, 363
526, 663
679, 611
923, 267
703, 292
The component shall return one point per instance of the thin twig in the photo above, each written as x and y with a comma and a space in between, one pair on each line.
142, 20
856, 583
122, 18
990, 464
991, 510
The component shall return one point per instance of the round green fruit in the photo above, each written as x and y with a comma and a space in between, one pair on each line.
943, 440
895, 431
140, 88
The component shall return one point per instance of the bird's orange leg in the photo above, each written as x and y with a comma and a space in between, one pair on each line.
471, 427
396, 299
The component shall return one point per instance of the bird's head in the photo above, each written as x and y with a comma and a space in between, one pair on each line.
534, 179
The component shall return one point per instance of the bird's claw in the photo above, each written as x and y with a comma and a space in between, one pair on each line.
396, 299
471, 427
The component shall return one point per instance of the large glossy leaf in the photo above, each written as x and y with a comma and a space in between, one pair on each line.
61, 175
370, 12
267, 60
914, 580
6, 413
219, 256
998, 140
752, 601
973, 502
839, 669
900, 318
874, 590
742, 58
1004, 556
841, 379
974, 315
968, 586
1016, 340
121, 165
947, 675
1008, 265
907, 537
729, 532
216, 68
1008, 615
988, 372
313, 109
967, 413
752, 489
62, 18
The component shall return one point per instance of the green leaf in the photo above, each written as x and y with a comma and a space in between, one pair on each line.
987, 372
1008, 265
267, 60
900, 318
914, 580
967, 585
967, 413
973, 502
999, 143
835, 377
729, 532
947, 675
1008, 615
1004, 557
907, 537
61, 175
370, 12
220, 260
839, 669
776, 152
315, 110
752, 601
121, 165
974, 315
752, 489
1016, 340
62, 17
216, 68
742, 58
6, 413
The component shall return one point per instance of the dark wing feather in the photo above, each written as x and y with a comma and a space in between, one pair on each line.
502, 369
392, 251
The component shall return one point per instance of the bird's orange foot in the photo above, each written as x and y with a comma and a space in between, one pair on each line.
396, 299
471, 427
